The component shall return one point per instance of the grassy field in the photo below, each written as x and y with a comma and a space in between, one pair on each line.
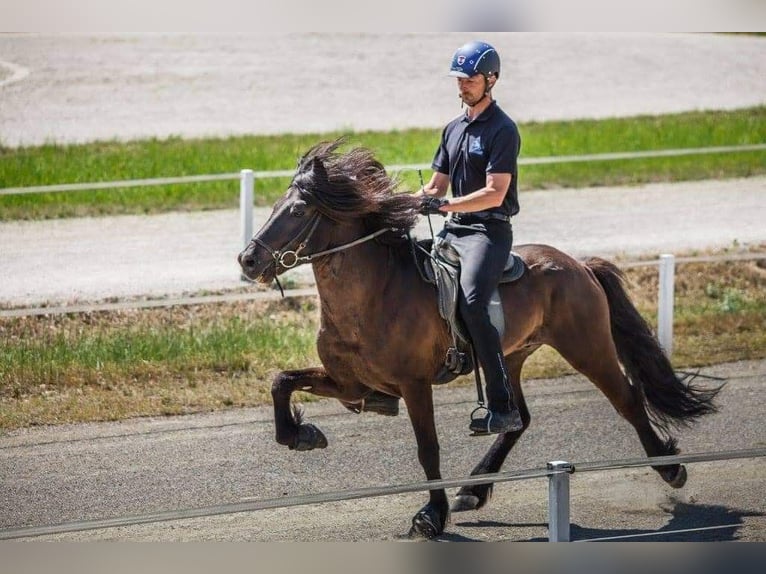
109, 366
107, 161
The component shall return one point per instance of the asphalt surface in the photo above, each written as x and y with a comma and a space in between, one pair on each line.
79, 472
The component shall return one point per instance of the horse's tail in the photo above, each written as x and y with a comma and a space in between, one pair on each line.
669, 401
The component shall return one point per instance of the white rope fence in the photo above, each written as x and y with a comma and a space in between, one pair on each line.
248, 177
394, 168
558, 473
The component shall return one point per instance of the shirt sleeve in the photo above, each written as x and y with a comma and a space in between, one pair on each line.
504, 151
441, 158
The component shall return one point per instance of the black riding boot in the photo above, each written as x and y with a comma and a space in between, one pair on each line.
496, 422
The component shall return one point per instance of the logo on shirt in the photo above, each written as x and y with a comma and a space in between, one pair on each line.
475, 146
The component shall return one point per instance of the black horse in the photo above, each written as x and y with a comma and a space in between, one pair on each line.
381, 333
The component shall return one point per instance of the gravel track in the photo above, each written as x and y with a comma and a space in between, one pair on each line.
90, 259
90, 471
82, 88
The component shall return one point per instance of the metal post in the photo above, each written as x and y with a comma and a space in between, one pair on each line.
558, 500
246, 185
665, 303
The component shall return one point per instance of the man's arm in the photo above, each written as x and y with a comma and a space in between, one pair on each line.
489, 196
436, 187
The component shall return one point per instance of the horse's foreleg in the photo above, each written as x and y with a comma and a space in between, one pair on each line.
290, 430
475, 496
432, 518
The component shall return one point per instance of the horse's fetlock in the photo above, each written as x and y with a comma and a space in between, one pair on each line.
278, 384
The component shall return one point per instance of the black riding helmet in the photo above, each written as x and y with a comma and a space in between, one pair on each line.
475, 58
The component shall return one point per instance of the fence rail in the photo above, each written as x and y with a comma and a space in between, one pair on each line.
558, 473
403, 167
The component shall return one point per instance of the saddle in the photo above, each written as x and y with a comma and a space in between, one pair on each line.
442, 269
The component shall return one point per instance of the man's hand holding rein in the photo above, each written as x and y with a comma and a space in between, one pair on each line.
430, 205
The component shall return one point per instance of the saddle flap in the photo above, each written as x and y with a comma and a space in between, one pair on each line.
445, 269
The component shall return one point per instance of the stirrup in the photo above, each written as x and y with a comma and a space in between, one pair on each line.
481, 407
458, 362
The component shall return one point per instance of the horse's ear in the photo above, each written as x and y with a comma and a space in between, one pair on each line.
318, 169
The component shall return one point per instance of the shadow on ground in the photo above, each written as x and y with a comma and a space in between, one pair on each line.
685, 525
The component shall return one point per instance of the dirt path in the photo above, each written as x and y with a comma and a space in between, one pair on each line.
130, 256
82, 88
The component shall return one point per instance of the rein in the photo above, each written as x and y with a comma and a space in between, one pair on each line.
292, 258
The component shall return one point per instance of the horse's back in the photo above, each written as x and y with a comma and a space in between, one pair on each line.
546, 258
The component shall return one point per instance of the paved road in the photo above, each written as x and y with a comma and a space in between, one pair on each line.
130, 256
50, 475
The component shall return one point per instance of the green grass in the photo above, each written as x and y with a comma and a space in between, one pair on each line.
70, 354
107, 161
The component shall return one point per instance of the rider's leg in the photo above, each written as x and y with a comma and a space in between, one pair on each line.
482, 257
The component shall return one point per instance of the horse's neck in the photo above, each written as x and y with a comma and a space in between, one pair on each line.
361, 265
348, 279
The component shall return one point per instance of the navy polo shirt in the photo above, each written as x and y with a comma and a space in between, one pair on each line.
470, 149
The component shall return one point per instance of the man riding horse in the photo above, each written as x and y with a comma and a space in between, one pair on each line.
477, 158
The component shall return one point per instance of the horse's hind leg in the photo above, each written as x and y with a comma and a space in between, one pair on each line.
589, 348
290, 430
475, 496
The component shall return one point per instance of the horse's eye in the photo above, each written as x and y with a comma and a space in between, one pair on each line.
298, 209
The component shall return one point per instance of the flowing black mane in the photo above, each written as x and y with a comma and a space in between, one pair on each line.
353, 185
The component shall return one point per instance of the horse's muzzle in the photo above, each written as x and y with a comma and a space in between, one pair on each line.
254, 268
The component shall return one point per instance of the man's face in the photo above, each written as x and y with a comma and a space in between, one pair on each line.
472, 89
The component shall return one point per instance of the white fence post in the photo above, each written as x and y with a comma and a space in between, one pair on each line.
558, 500
665, 303
246, 185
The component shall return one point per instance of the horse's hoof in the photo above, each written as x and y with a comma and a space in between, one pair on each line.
464, 502
472, 498
381, 404
310, 437
680, 478
426, 524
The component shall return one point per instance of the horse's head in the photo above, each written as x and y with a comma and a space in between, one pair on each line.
329, 191
277, 246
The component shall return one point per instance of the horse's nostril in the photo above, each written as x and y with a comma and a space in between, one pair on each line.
245, 259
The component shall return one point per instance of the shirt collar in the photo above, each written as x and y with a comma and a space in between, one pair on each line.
483, 116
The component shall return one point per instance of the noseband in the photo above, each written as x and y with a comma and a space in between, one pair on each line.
291, 258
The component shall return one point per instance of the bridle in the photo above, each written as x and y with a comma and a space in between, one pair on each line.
291, 258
